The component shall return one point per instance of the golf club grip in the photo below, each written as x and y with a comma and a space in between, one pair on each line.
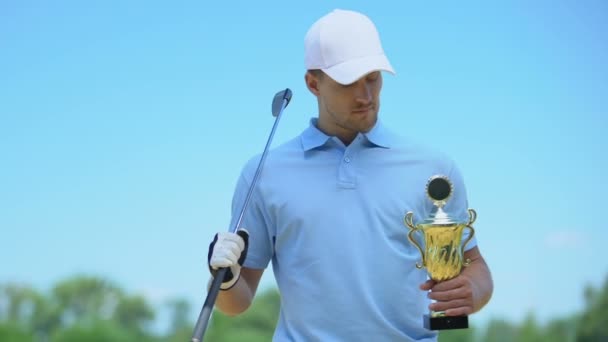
203, 318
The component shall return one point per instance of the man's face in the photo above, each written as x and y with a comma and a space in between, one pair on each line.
346, 110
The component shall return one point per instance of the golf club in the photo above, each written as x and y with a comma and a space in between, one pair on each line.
279, 103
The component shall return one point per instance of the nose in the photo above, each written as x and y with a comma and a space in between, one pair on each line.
363, 92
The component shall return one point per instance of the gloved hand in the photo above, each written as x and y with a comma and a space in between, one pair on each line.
228, 250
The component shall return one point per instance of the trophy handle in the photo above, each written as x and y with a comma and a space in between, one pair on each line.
472, 218
410, 223
409, 220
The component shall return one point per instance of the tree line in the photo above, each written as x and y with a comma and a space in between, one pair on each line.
90, 308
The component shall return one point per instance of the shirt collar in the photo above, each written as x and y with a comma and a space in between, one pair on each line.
379, 135
312, 137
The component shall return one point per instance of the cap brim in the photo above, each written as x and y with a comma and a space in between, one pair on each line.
352, 70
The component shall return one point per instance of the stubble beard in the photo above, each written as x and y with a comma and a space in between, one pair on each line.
352, 123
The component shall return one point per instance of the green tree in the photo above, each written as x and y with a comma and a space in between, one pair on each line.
529, 331
10, 332
500, 330
593, 324
99, 331
133, 314
26, 310
86, 299
561, 330
181, 328
457, 335
80, 308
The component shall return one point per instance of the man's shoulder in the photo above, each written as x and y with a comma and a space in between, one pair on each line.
418, 149
275, 154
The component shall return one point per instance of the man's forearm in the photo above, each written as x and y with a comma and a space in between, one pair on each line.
235, 300
482, 284
238, 298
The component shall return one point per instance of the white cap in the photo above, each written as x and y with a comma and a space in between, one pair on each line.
346, 46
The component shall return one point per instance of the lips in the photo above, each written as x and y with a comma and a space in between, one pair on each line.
363, 110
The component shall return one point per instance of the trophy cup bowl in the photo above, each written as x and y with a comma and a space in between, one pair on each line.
441, 251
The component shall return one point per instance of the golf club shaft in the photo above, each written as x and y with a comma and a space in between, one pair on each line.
203, 319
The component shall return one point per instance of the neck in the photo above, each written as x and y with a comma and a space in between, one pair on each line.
345, 135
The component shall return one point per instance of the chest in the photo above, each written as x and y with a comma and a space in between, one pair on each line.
341, 206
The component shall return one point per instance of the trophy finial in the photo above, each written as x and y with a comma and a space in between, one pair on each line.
439, 189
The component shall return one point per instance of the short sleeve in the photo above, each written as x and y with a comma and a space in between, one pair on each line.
255, 219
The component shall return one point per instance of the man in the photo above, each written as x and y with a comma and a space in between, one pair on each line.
328, 210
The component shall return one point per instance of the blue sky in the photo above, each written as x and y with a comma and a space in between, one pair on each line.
124, 125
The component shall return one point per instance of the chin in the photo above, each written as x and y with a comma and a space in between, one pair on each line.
370, 124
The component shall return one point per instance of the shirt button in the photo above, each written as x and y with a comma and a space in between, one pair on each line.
347, 159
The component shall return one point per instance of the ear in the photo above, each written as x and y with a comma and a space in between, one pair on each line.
312, 83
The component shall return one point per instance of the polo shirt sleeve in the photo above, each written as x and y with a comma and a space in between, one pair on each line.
255, 220
458, 205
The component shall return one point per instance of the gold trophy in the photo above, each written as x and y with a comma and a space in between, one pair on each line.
442, 254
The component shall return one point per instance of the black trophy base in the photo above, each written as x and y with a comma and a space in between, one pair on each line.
446, 322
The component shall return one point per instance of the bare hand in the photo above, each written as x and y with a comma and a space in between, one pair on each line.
455, 296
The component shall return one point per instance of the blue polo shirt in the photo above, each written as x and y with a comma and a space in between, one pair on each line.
330, 217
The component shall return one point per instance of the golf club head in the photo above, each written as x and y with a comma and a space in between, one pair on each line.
277, 102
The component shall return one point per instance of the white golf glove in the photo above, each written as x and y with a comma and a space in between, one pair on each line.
228, 250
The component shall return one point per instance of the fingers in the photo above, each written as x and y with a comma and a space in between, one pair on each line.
450, 284
461, 311
454, 296
453, 307
458, 293
224, 258
227, 250
445, 285
427, 285
231, 239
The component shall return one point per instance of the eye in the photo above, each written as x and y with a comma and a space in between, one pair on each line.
373, 77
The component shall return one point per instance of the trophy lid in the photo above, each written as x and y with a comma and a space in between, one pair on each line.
439, 190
